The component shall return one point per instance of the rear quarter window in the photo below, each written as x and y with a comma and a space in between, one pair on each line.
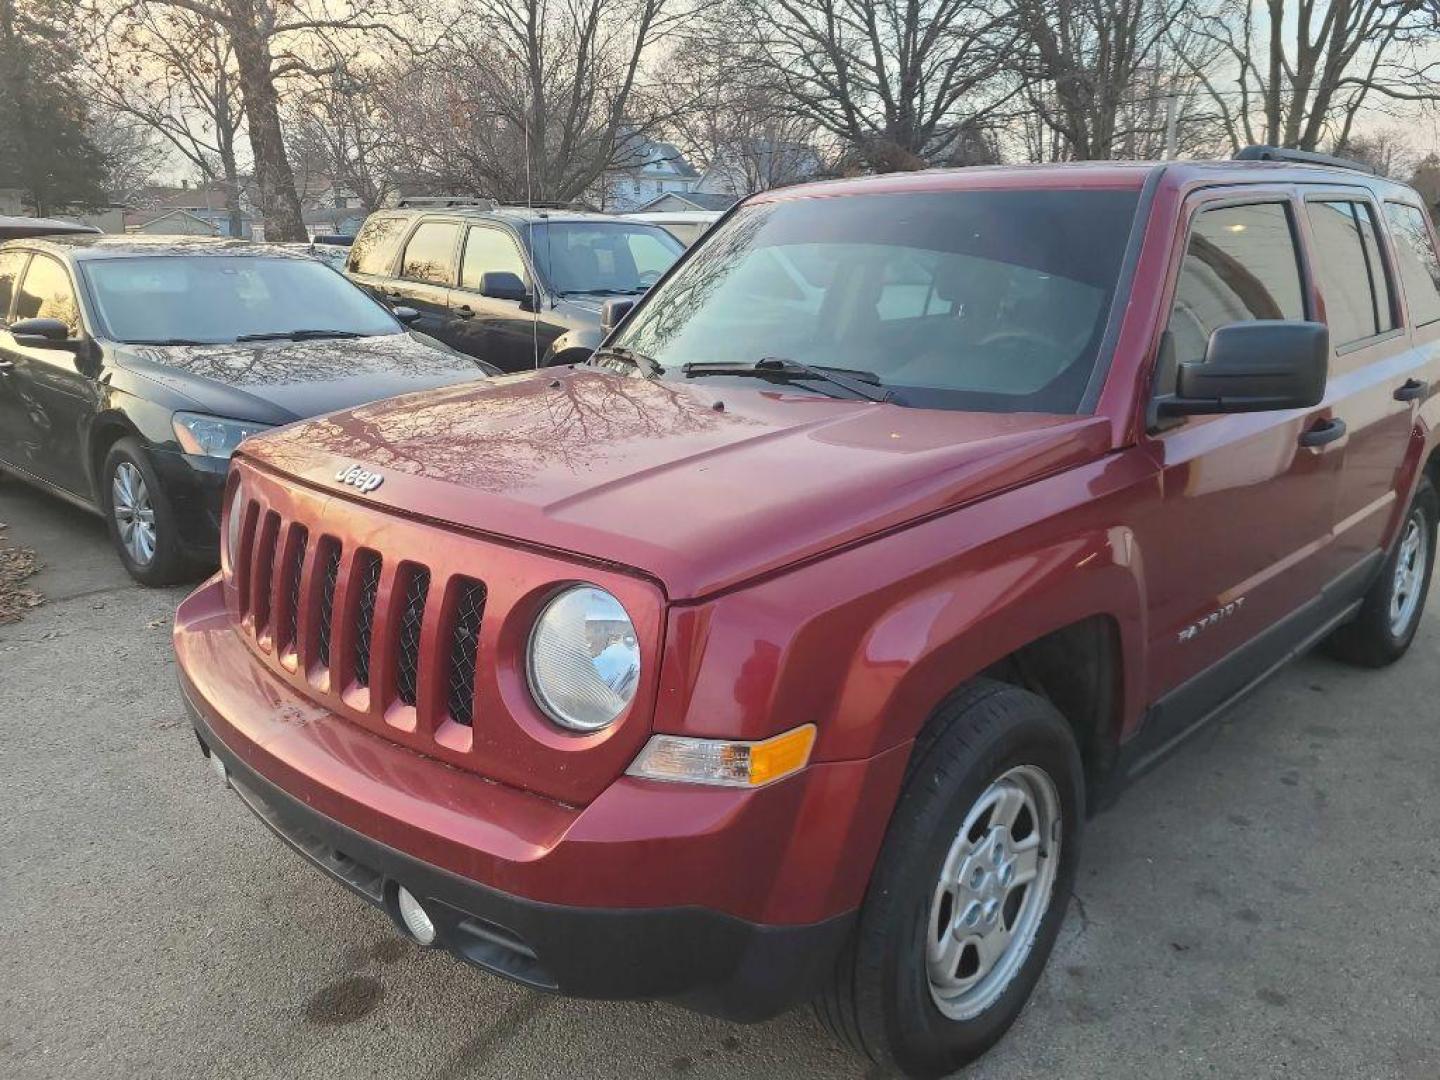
374, 249
1416, 260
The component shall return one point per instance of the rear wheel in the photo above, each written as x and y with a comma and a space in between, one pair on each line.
141, 521
1389, 616
970, 888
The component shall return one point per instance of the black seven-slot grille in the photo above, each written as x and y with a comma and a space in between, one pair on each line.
273, 604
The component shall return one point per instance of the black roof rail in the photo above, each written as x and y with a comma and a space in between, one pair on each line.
1300, 157
445, 202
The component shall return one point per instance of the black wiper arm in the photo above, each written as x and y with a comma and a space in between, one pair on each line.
647, 364
167, 341
862, 384
298, 335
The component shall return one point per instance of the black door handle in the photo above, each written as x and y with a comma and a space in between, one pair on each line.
1412, 390
1323, 433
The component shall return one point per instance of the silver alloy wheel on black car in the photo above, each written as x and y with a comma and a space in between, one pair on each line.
134, 513
994, 888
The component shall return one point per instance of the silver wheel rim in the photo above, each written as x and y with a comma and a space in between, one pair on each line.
1409, 580
134, 514
993, 892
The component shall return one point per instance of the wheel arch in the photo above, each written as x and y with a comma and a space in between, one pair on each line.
105, 431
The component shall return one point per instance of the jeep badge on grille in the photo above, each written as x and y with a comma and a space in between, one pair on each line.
362, 479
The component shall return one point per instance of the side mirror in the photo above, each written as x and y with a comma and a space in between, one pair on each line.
406, 315
1255, 366
503, 285
42, 334
613, 313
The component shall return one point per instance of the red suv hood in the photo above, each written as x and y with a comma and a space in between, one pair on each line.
660, 477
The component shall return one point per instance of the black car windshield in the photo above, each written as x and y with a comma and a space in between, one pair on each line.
215, 299
994, 301
600, 257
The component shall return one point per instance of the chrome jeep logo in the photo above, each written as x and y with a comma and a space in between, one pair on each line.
363, 480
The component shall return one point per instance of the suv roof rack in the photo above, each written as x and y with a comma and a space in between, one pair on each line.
431, 202
574, 204
1301, 157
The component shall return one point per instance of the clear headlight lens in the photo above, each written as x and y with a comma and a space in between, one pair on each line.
584, 661
212, 436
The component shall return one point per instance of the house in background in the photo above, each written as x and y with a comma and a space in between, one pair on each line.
645, 169
191, 210
175, 223
687, 202
751, 165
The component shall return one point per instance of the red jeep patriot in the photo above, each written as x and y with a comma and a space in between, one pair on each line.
779, 651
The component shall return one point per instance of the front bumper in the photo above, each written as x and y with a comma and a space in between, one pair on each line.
730, 902
195, 487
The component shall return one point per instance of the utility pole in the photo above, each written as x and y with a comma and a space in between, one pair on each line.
1172, 119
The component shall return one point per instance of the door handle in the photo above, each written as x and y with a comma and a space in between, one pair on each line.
1324, 432
1412, 390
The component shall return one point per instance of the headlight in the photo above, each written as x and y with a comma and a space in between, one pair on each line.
233, 515
212, 436
584, 662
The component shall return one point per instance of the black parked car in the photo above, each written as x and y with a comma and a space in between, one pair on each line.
514, 286
131, 368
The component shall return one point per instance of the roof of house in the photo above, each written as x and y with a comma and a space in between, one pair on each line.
695, 200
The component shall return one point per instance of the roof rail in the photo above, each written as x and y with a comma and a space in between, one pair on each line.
432, 202
574, 204
1301, 157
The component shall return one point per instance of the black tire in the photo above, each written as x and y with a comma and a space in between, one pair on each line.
880, 1001
1371, 639
167, 565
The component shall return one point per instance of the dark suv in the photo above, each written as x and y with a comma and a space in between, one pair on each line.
515, 287
781, 651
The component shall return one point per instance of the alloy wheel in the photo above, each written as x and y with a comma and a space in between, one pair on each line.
134, 513
1409, 580
993, 892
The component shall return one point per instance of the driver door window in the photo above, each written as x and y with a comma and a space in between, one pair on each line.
489, 251
1241, 264
48, 294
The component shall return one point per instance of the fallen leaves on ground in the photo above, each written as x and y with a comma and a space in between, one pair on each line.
17, 565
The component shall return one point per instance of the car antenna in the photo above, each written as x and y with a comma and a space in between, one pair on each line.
530, 242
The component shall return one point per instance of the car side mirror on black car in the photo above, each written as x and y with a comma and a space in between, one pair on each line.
1258, 366
503, 285
42, 334
406, 315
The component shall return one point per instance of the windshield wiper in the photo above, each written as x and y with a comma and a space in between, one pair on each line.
646, 364
862, 384
167, 341
298, 335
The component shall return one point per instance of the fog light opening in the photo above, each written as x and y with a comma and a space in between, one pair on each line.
413, 915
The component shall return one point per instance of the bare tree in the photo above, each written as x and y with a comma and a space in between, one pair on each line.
174, 72
537, 97
1298, 72
895, 82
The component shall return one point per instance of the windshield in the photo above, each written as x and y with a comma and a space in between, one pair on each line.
601, 257
984, 300
215, 299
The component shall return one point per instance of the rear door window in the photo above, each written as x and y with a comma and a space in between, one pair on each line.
1241, 264
1351, 270
11, 263
374, 249
1416, 260
430, 254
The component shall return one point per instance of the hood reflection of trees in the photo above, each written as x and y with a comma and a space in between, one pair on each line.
493, 439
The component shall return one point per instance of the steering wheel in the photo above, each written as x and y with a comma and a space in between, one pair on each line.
1019, 336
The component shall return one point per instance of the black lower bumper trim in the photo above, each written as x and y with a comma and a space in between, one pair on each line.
701, 959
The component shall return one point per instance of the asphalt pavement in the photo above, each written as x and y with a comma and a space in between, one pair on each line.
1265, 904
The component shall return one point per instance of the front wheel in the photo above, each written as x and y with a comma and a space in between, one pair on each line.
970, 888
141, 520
1382, 630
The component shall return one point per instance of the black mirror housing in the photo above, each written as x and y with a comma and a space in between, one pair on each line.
406, 315
613, 313
503, 285
1259, 366
42, 334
